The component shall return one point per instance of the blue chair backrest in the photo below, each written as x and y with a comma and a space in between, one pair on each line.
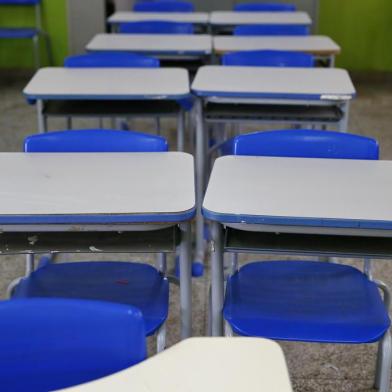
163, 6
303, 143
271, 29
95, 141
268, 58
265, 7
156, 27
50, 344
111, 60
20, 2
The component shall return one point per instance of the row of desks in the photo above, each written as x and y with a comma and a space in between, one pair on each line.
216, 82
337, 208
202, 45
123, 87
217, 18
318, 96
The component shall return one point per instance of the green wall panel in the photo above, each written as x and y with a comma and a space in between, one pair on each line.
19, 53
363, 28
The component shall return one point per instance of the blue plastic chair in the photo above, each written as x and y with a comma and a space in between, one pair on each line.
265, 7
111, 59
33, 33
306, 300
19, 2
163, 6
271, 29
268, 58
51, 344
136, 284
156, 27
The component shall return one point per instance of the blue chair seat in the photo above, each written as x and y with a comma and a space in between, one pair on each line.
139, 285
18, 33
264, 7
268, 58
163, 6
305, 301
156, 27
19, 2
271, 30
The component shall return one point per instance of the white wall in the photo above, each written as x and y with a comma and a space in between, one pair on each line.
85, 19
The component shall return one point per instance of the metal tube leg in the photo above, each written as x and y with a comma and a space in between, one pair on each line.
228, 330
384, 362
217, 279
331, 61
191, 130
234, 262
29, 263
209, 315
11, 287
343, 123
181, 130
161, 338
161, 262
200, 167
48, 48
158, 125
37, 61
41, 117
367, 268
69, 123
185, 281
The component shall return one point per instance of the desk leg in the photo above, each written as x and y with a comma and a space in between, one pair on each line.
343, 123
200, 175
181, 130
217, 279
331, 61
185, 281
40, 116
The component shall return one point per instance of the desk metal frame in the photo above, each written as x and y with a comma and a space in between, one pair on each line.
202, 142
112, 92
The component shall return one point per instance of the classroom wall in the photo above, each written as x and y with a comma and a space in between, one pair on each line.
19, 53
364, 30
94, 11
362, 27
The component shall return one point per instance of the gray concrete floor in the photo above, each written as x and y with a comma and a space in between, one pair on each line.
313, 367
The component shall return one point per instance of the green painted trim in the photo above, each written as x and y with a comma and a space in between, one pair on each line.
19, 53
363, 28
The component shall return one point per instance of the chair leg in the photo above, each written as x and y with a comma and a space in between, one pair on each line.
11, 287
161, 262
37, 61
69, 122
161, 338
158, 125
29, 264
228, 330
384, 362
234, 263
48, 45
